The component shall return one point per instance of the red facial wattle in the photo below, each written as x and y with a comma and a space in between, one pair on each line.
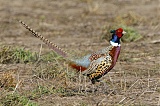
119, 32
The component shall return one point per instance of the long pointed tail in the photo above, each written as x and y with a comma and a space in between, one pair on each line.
46, 41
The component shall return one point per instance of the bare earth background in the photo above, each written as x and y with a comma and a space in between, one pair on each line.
77, 26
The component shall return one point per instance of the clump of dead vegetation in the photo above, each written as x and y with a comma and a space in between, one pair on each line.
130, 19
7, 80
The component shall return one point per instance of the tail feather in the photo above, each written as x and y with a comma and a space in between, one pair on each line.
46, 41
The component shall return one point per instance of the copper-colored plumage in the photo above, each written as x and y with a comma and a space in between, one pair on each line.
77, 67
114, 53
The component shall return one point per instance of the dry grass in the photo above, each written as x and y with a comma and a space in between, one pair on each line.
32, 76
130, 19
55, 78
7, 80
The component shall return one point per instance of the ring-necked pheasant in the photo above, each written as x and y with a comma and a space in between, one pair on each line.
93, 65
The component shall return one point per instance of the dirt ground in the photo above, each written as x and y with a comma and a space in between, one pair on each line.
77, 27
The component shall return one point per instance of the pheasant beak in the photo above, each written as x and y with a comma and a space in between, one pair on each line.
124, 32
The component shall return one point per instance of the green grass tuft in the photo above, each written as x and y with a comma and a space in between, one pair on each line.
51, 57
16, 55
10, 54
23, 56
16, 100
131, 36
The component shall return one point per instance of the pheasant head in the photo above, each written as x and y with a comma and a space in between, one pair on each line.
117, 34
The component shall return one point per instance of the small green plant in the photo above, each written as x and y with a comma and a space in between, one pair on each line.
39, 91
125, 21
16, 55
131, 36
51, 57
83, 104
16, 100
21, 55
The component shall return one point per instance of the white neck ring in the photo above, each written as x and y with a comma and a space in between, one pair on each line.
114, 44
